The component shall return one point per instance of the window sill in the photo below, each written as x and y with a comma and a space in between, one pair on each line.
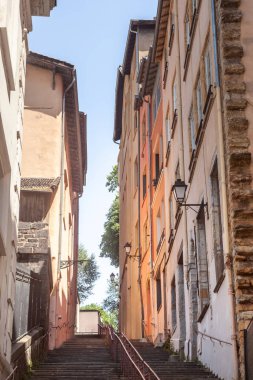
171, 240
219, 283
209, 101
178, 216
171, 39
203, 312
174, 123
159, 308
165, 75
160, 243
167, 154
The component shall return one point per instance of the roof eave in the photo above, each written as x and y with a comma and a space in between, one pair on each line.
160, 29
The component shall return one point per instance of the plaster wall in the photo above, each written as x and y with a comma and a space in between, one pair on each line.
41, 159
199, 187
12, 72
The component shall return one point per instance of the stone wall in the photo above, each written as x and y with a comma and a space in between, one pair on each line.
238, 164
34, 255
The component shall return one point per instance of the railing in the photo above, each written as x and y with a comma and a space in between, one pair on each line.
132, 364
38, 354
12, 375
143, 366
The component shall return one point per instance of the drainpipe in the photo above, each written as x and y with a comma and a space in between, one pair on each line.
223, 186
62, 171
181, 146
150, 209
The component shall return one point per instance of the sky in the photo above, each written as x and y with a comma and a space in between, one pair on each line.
91, 34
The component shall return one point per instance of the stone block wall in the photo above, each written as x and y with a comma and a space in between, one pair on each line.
238, 164
34, 255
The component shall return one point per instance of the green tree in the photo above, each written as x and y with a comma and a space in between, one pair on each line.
109, 245
106, 317
87, 273
111, 302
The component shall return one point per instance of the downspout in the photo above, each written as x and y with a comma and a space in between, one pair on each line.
62, 170
221, 154
181, 139
150, 210
181, 158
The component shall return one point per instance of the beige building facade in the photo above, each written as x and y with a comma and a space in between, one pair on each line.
15, 23
54, 152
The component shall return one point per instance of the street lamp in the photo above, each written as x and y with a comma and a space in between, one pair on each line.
112, 277
127, 247
179, 191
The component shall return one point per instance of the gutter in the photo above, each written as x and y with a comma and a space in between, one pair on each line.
62, 169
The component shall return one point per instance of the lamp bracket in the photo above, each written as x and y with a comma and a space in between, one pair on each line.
191, 205
67, 263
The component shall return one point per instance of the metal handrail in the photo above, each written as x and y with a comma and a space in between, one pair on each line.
126, 368
145, 367
12, 374
132, 364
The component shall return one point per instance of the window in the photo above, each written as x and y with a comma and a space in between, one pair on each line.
145, 235
136, 236
202, 263
217, 226
177, 171
136, 174
158, 291
199, 101
192, 131
173, 305
157, 166
143, 131
144, 184
171, 214
158, 227
207, 65
136, 120
157, 97
167, 126
187, 30
174, 95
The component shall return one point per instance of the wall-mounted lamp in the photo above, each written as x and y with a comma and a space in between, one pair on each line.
179, 191
127, 247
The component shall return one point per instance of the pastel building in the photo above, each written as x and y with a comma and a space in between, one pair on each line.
52, 178
15, 24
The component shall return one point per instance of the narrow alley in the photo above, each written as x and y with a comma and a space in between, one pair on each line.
126, 189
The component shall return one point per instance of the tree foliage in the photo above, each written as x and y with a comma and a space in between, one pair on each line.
112, 179
110, 239
111, 302
87, 273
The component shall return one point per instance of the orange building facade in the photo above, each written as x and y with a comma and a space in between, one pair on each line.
192, 285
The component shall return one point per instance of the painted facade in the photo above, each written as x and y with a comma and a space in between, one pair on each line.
15, 24
54, 147
194, 118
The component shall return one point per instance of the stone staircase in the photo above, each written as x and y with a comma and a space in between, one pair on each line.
83, 357
166, 368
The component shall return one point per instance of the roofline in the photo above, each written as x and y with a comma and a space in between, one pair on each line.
162, 12
119, 91
131, 37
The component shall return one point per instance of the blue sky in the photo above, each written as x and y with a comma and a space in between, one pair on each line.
91, 34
